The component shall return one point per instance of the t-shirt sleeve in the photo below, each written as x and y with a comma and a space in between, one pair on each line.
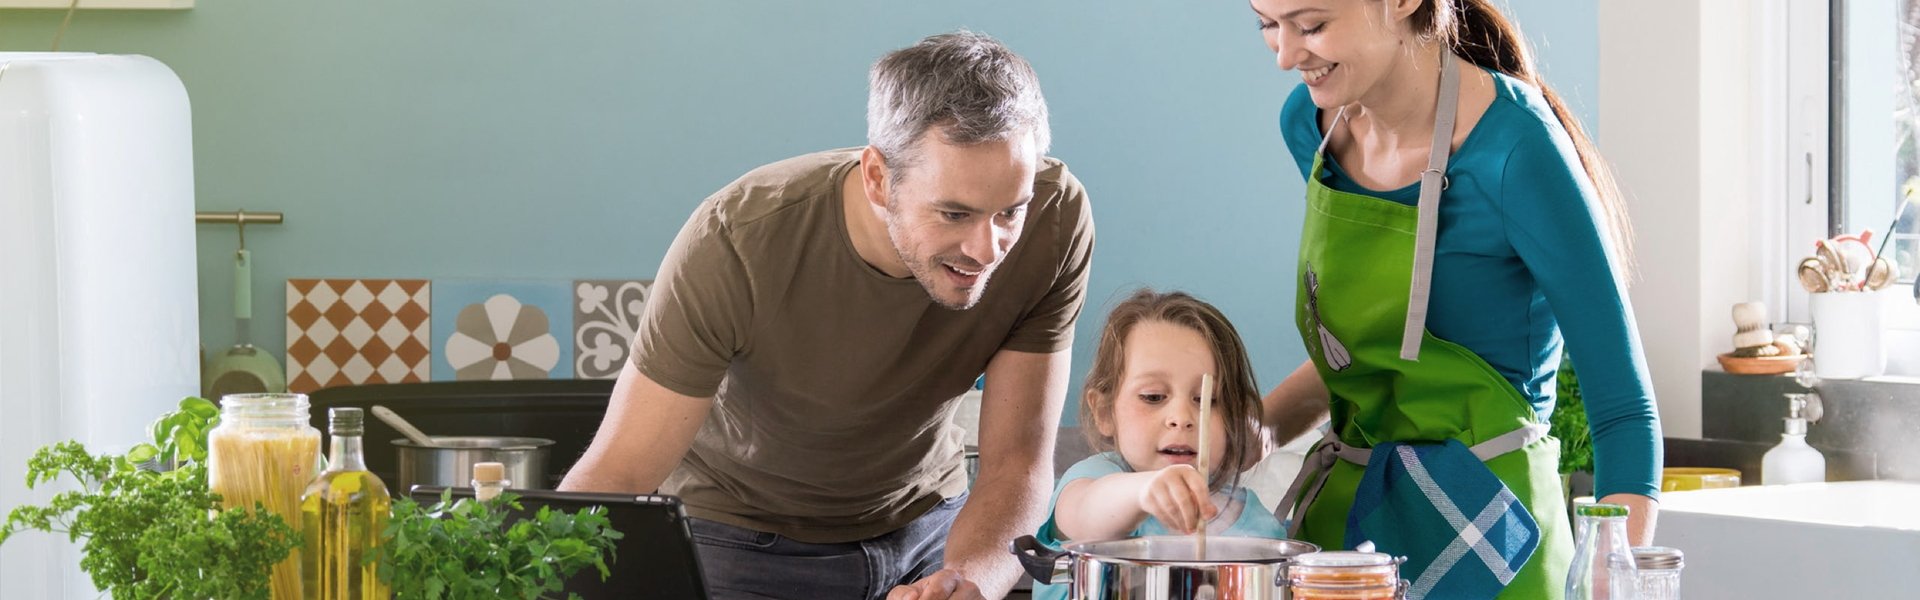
698, 310
1092, 467
1554, 220
1048, 327
1300, 127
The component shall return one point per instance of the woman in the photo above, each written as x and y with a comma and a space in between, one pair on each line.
1434, 319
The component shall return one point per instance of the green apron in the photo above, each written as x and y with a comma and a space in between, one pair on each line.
1358, 308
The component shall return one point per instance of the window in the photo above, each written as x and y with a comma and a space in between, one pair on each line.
1839, 107
1904, 231
1873, 84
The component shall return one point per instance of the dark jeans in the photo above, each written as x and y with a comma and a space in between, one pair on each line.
742, 564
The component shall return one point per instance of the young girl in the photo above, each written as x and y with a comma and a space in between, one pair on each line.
1142, 406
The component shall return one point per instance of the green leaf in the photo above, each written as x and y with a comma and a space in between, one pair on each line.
142, 453
199, 407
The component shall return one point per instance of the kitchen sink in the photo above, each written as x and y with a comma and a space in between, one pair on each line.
1853, 539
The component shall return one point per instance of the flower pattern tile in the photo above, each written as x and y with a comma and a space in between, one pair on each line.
496, 330
606, 312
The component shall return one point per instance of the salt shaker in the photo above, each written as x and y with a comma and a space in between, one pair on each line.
1659, 572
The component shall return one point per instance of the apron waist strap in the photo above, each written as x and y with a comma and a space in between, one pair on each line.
1320, 460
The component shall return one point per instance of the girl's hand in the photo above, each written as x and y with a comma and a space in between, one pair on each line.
1177, 496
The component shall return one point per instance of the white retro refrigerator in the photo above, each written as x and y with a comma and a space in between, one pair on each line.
98, 308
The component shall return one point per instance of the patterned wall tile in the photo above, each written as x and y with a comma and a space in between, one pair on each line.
605, 314
502, 330
355, 331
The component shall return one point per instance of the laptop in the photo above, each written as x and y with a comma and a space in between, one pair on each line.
655, 559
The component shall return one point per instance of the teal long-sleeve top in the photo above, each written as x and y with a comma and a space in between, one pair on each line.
1519, 263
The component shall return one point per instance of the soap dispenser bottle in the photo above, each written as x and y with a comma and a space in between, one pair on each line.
1793, 461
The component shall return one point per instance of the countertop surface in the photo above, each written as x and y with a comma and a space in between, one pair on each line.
1882, 504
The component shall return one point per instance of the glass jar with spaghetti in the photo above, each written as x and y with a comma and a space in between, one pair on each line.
264, 452
1343, 575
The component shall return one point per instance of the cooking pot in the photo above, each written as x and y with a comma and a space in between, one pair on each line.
449, 461
1165, 567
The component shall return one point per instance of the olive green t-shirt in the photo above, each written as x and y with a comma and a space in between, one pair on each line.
834, 384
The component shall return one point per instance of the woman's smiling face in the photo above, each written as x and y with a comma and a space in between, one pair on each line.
1342, 48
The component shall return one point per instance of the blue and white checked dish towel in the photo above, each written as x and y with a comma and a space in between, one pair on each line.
1464, 534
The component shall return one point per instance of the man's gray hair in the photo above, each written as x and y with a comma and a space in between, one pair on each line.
967, 83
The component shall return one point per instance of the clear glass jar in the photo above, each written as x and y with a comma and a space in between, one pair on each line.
1341, 575
1659, 569
264, 451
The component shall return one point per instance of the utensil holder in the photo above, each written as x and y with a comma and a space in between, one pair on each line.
1848, 328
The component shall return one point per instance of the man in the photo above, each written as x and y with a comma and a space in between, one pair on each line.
795, 375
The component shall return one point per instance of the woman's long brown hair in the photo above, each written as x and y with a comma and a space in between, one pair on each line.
1238, 400
1478, 32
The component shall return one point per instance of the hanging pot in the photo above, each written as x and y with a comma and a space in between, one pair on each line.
243, 369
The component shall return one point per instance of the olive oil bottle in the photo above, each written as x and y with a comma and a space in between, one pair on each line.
343, 514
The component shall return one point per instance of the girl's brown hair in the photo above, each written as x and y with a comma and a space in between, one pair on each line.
1478, 32
1238, 397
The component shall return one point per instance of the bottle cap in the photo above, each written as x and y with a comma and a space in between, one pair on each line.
1796, 421
489, 472
346, 421
1600, 510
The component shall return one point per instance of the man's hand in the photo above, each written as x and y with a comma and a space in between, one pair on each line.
944, 584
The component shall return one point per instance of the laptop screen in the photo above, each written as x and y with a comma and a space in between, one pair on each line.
654, 558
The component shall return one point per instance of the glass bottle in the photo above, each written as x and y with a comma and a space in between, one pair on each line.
344, 512
1793, 461
263, 452
1659, 570
1602, 565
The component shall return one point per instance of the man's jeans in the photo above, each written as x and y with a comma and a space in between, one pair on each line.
742, 564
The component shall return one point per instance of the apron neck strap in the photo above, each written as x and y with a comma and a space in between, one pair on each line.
1432, 181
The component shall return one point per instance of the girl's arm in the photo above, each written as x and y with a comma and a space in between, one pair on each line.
1112, 506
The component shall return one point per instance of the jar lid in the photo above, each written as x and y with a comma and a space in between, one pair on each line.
1600, 510
1658, 557
1342, 558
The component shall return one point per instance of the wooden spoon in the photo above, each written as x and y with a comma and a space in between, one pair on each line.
1206, 405
405, 428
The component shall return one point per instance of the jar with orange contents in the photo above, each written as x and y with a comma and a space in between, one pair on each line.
1340, 575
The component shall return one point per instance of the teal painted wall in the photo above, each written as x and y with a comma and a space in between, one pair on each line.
447, 138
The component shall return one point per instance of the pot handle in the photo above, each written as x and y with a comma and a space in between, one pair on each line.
1043, 563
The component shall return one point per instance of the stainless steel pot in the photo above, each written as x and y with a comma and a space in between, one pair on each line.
449, 461
1165, 568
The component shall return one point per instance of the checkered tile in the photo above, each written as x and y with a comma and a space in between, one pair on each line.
354, 331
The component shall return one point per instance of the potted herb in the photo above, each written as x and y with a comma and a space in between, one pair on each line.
153, 534
467, 549
151, 529
1568, 423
